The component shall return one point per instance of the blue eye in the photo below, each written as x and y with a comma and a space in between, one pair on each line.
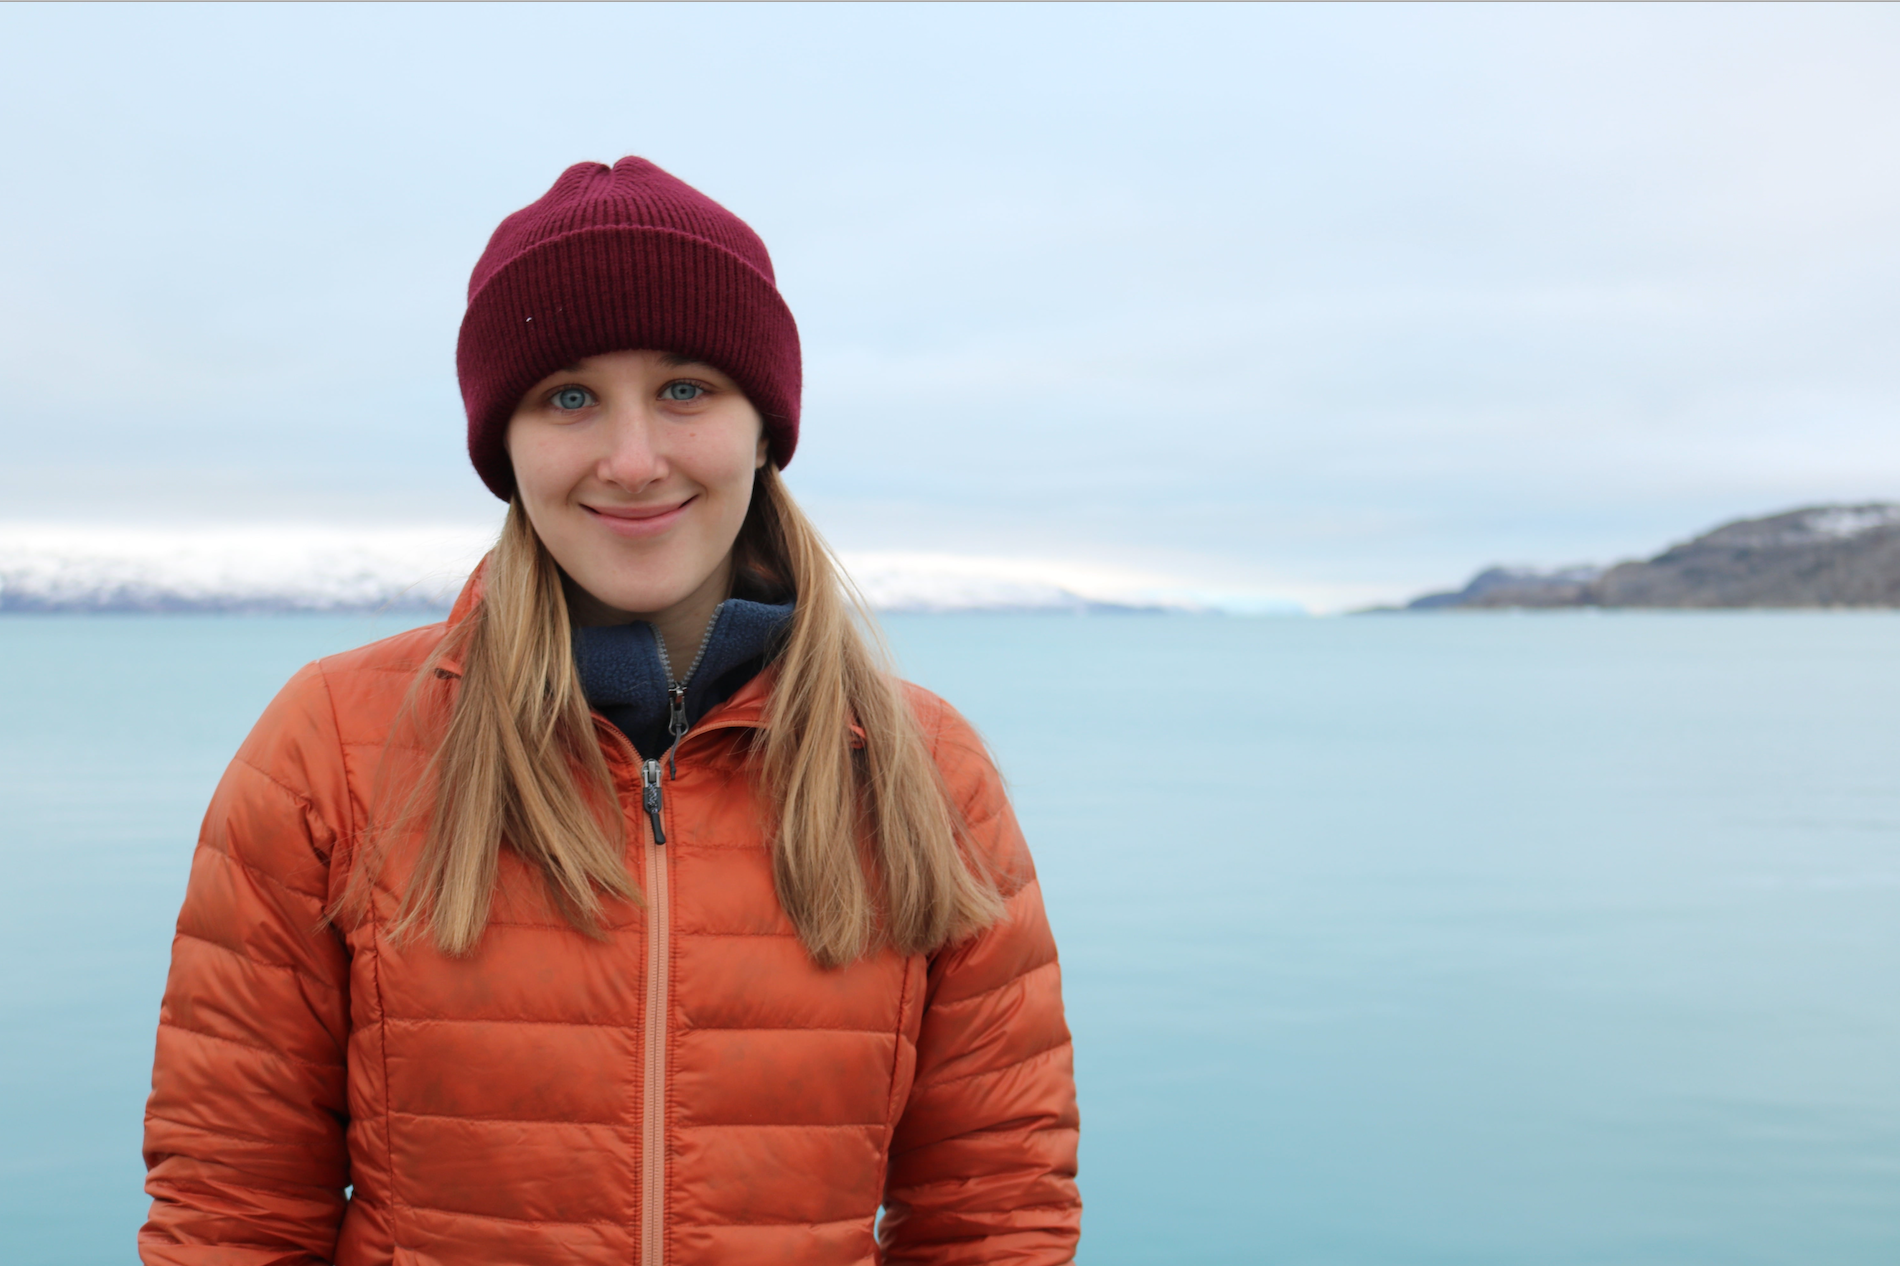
573, 398
682, 391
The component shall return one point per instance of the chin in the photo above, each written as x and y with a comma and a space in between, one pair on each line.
641, 601
644, 598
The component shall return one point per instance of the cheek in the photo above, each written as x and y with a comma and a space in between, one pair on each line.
542, 466
724, 462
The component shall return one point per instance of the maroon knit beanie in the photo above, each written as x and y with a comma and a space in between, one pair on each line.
620, 259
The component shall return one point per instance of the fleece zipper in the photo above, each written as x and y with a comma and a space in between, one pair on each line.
676, 723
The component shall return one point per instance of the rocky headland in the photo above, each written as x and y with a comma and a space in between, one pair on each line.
1820, 556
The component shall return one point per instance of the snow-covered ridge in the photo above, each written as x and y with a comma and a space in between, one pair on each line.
1841, 522
1810, 526
279, 567
252, 567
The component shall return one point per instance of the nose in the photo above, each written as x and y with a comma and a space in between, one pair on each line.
631, 459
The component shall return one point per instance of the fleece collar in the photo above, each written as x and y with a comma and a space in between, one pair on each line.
624, 674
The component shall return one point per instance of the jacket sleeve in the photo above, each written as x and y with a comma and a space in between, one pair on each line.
984, 1155
244, 1131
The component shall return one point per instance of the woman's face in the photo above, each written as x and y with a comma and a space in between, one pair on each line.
636, 469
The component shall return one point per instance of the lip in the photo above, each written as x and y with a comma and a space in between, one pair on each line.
640, 520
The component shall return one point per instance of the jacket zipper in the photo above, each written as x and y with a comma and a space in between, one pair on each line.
676, 724
659, 971
659, 962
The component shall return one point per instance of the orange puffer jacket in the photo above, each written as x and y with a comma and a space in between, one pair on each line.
691, 1088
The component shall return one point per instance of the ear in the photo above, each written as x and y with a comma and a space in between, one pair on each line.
758, 458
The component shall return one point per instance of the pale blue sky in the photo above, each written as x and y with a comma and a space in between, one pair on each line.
1340, 302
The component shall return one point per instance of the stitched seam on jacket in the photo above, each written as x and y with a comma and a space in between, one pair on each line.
1018, 978
891, 1109
1027, 1167
239, 954
974, 749
375, 954
695, 842
936, 733
973, 825
989, 1134
515, 1020
862, 1217
1001, 1068
487, 1120
249, 1046
502, 1217
259, 872
148, 1236
785, 1125
349, 800
632, 1027
783, 1028
302, 800
317, 1191
1065, 1207
336, 728
404, 670
541, 927
223, 1134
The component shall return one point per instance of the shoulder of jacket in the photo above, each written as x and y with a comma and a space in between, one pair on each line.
367, 686
976, 786
303, 741
399, 655
953, 741
962, 757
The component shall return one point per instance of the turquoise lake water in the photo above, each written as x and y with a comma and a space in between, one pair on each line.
1387, 941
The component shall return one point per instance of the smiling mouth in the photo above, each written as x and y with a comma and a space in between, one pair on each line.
638, 520
637, 513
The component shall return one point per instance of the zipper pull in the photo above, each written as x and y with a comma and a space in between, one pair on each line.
675, 725
650, 798
676, 720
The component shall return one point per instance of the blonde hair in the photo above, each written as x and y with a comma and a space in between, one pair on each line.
867, 846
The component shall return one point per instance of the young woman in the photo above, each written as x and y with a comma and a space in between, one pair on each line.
636, 913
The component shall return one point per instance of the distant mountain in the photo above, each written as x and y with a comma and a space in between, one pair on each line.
1821, 556
1517, 587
